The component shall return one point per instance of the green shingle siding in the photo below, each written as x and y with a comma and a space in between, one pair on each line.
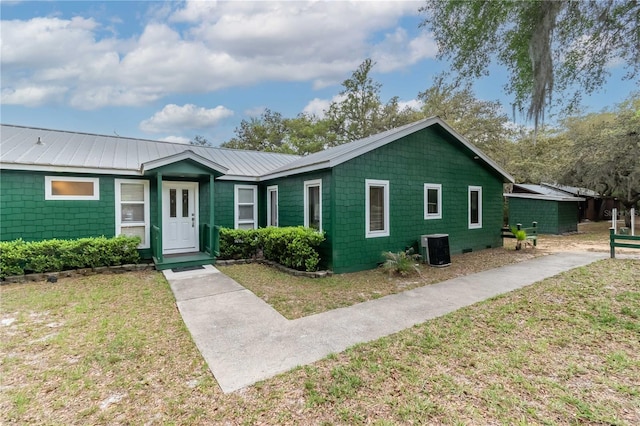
409, 163
567, 217
291, 206
24, 213
224, 206
553, 217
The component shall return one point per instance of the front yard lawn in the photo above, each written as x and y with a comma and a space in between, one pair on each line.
296, 297
112, 349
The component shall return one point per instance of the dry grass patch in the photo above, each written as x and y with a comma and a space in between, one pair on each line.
563, 351
296, 297
112, 349
106, 349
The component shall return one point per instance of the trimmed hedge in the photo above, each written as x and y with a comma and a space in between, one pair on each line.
293, 247
19, 257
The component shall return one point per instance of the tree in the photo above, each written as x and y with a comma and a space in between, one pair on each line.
542, 156
607, 152
547, 46
482, 122
266, 133
355, 116
199, 140
272, 132
360, 113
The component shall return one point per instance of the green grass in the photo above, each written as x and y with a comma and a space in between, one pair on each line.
296, 297
113, 349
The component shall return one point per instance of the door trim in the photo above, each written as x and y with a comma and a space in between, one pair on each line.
166, 185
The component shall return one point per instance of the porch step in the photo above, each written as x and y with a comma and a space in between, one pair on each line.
184, 260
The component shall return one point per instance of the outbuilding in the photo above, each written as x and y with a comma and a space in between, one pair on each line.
555, 212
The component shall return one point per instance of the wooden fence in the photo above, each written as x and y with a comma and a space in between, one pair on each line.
626, 241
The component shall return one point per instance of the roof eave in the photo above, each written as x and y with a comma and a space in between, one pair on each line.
543, 197
181, 156
68, 169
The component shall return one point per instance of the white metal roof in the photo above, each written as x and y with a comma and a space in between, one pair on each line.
28, 148
540, 189
573, 190
543, 197
337, 155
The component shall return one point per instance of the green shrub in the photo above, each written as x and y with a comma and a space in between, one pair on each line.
401, 263
19, 257
293, 247
238, 243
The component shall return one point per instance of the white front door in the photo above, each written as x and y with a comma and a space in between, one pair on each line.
179, 217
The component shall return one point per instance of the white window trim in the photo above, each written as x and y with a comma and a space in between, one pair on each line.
236, 206
48, 193
437, 187
368, 232
479, 224
270, 189
147, 211
309, 184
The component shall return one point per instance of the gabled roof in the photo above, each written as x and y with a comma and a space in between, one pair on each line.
573, 190
537, 189
181, 156
337, 155
28, 148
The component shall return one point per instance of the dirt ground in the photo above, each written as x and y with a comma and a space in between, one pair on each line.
591, 236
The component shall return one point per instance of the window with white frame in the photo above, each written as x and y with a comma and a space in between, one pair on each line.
132, 209
246, 207
71, 188
376, 208
475, 207
272, 205
432, 201
313, 204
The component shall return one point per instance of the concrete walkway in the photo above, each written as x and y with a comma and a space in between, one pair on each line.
244, 340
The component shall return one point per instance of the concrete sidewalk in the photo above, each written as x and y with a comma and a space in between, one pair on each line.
244, 340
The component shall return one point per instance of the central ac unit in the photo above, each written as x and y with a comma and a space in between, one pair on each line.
435, 249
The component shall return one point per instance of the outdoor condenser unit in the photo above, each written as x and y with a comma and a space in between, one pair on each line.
435, 249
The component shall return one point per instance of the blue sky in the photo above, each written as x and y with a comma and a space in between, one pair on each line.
173, 70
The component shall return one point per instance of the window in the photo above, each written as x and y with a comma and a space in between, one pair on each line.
71, 188
376, 208
132, 209
246, 207
432, 201
475, 207
313, 204
272, 206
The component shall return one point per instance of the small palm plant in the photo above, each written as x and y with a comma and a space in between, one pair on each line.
402, 262
520, 234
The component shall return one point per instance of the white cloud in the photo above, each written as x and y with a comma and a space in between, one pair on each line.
175, 118
176, 139
412, 104
32, 95
319, 107
200, 47
397, 50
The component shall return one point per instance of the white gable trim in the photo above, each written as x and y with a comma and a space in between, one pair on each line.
184, 155
343, 156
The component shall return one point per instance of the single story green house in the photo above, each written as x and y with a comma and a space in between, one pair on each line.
368, 196
556, 212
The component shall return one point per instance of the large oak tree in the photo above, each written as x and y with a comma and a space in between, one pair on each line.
547, 46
